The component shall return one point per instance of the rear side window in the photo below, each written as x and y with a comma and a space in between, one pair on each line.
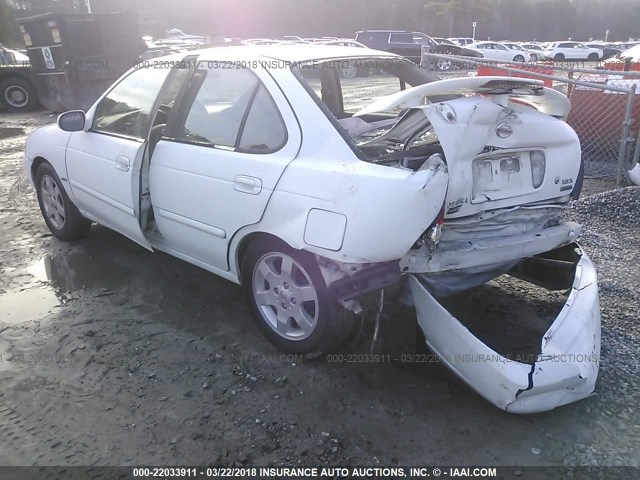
126, 108
233, 110
264, 130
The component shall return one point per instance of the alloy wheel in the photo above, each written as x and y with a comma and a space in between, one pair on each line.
285, 296
52, 201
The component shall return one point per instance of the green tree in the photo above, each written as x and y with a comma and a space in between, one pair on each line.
453, 9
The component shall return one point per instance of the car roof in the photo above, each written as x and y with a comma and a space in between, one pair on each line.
287, 53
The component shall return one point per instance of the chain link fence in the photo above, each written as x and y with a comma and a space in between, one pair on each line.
605, 105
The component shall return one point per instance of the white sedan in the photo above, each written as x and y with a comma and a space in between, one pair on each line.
534, 54
497, 51
263, 165
560, 51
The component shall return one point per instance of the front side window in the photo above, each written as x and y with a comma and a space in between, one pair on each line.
126, 108
233, 110
401, 38
219, 106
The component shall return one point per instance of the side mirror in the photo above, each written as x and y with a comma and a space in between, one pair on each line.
72, 121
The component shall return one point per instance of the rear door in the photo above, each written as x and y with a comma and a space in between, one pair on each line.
103, 163
220, 159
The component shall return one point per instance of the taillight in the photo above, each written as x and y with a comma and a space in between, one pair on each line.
538, 166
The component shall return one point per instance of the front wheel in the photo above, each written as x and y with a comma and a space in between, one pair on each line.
534, 57
559, 57
60, 214
593, 57
290, 301
518, 58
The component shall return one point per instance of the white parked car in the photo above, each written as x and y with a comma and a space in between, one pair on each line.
497, 51
262, 165
560, 51
630, 55
534, 55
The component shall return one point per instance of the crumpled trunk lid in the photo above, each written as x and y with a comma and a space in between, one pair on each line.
499, 157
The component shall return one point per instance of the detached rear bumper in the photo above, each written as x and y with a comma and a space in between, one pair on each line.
565, 371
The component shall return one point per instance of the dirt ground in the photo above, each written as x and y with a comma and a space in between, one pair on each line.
113, 355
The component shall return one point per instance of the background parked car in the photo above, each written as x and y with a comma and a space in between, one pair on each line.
400, 42
609, 50
560, 51
626, 60
533, 54
444, 41
497, 51
462, 40
447, 47
353, 70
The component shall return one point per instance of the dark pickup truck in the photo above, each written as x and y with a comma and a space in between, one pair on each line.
394, 41
17, 92
410, 44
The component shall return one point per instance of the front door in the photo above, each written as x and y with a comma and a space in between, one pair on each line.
103, 163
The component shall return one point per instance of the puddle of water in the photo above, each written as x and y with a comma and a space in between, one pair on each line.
26, 305
69, 273
8, 132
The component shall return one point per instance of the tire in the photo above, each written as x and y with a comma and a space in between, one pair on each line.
18, 95
444, 64
534, 57
350, 72
593, 57
276, 278
59, 213
559, 57
518, 58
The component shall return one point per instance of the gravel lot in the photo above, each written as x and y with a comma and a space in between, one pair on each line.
112, 355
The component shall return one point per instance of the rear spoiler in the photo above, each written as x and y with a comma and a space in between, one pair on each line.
521, 90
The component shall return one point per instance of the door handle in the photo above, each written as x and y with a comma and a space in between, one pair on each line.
123, 163
246, 184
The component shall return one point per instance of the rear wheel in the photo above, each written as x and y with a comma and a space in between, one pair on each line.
350, 72
290, 301
60, 214
18, 95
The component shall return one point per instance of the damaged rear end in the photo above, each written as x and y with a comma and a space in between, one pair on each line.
513, 166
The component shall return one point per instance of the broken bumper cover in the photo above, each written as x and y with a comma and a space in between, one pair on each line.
473, 253
565, 371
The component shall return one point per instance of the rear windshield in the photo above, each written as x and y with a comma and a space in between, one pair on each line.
345, 87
